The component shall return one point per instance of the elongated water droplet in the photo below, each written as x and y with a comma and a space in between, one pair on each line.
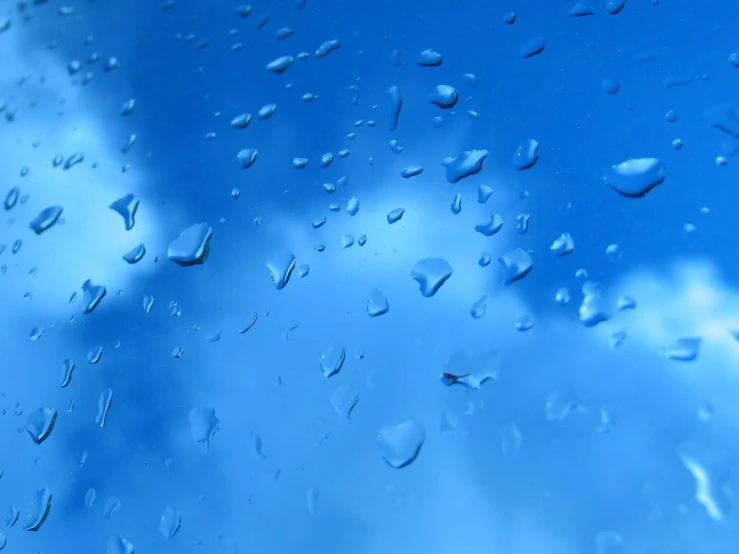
170, 522
38, 510
40, 424
104, 402
127, 208
45, 219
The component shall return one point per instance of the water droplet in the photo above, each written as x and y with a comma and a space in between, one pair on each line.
249, 324
90, 496
119, 545
11, 518
517, 264
128, 106
192, 246
135, 255
444, 96
332, 359
377, 304
203, 425
511, 440
625, 303
610, 85
614, 7
327, 47
525, 155
45, 219
104, 402
94, 355
170, 522
464, 165
112, 505
509, 18
709, 488
411, 171
634, 178
38, 510
395, 215
247, 157
126, 207
618, 338
594, 308
352, 206
581, 9
532, 47
524, 323
267, 111
396, 104
279, 65
561, 402
280, 266
684, 349
430, 58
40, 424
401, 443
613, 251
300, 163
347, 240
344, 399
12, 198
491, 226
563, 245
92, 295
706, 411
457, 204
148, 303
562, 297
431, 274
478, 307
67, 370
241, 121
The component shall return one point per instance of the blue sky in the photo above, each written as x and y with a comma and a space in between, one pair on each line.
625, 470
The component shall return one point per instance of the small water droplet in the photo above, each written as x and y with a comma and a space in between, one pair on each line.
203, 425
170, 522
94, 355
332, 360
40, 424
563, 245
344, 399
45, 219
119, 545
684, 349
280, 266
67, 370
525, 155
377, 304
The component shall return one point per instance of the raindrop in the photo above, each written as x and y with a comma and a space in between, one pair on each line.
465, 164
395, 215
634, 178
484, 193
444, 96
377, 304
684, 349
119, 545
352, 206
92, 295
401, 443
344, 399
561, 402
67, 370
347, 241
241, 121
411, 171
430, 58
44, 220
581, 9
613, 251
610, 85
126, 207
267, 111
594, 308
135, 255
491, 226
112, 505
563, 245
517, 264
170, 522
280, 266
104, 402
332, 360
192, 246
532, 47
94, 355
396, 104
128, 106
279, 65
203, 425
327, 47
38, 510
40, 424
525, 155
562, 297
247, 157
614, 7
90, 496
511, 440
431, 274
457, 204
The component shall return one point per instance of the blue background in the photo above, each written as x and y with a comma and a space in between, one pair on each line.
283, 473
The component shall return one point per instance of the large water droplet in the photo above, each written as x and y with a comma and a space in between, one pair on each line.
332, 360
203, 425
401, 443
192, 246
431, 274
634, 178
91, 296
170, 522
377, 304
517, 264
40, 424
465, 164
127, 207
444, 96
280, 266
38, 509
46, 219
